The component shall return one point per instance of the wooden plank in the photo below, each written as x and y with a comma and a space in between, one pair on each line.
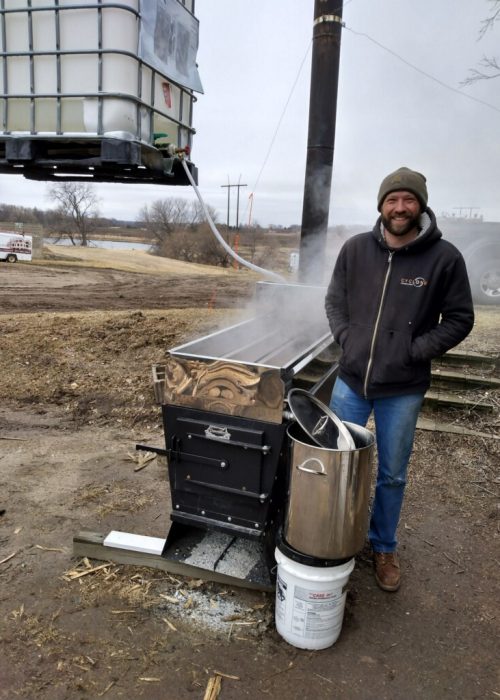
429, 424
442, 398
464, 380
463, 357
91, 545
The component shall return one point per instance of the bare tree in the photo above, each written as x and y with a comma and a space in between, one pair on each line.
252, 237
77, 206
181, 232
198, 246
489, 66
198, 214
166, 217
489, 22
209, 250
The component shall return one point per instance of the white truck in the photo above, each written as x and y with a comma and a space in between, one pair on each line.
15, 246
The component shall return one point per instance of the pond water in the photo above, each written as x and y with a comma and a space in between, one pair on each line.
109, 245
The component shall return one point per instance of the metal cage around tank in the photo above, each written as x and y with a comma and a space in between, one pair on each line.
87, 89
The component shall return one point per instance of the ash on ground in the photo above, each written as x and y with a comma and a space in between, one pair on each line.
217, 610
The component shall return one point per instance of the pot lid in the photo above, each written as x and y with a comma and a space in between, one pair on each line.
319, 422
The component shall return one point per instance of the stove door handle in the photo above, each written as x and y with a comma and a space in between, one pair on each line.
262, 497
212, 437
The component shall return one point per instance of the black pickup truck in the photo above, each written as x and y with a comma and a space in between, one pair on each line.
479, 243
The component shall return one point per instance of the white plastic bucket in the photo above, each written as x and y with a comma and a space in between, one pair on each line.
310, 602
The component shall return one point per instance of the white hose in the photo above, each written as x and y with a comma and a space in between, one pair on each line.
227, 248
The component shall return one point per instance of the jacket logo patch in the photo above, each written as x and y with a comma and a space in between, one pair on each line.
414, 281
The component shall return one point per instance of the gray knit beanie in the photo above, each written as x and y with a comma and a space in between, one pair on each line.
404, 179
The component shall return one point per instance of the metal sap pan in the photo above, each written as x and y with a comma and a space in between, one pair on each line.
327, 512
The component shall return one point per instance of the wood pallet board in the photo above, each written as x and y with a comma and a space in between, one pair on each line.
91, 545
429, 424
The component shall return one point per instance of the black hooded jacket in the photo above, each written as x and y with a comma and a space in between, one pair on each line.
393, 310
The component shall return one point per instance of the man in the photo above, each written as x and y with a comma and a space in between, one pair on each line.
399, 297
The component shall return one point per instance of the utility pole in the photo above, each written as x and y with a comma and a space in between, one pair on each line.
327, 30
228, 198
238, 186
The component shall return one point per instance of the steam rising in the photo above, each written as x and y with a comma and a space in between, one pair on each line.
287, 320
315, 223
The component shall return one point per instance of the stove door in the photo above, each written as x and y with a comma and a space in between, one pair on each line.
211, 454
223, 470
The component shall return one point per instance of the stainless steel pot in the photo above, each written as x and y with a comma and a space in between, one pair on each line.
327, 514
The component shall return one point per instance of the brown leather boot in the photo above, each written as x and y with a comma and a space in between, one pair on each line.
387, 573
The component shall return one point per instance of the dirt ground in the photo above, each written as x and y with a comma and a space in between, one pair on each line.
76, 350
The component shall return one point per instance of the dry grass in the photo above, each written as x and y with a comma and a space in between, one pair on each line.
129, 261
130, 588
113, 498
463, 471
122, 595
485, 337
96, 364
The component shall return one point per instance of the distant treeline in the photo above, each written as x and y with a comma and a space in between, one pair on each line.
174, 227
49, 218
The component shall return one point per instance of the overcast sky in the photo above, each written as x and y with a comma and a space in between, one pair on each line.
388, 115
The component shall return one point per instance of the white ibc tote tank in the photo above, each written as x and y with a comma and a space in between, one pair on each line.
89, 68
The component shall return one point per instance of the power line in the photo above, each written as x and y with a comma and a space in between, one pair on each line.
385, 48
278, 125
422, 72
273, 139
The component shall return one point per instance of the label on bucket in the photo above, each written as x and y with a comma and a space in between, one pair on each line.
281, 588
312, 613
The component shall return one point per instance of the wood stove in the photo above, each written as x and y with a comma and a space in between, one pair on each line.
224, 411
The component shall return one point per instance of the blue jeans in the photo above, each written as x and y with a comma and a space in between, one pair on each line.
395, 422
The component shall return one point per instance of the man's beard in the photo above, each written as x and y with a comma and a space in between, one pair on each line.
401, 230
